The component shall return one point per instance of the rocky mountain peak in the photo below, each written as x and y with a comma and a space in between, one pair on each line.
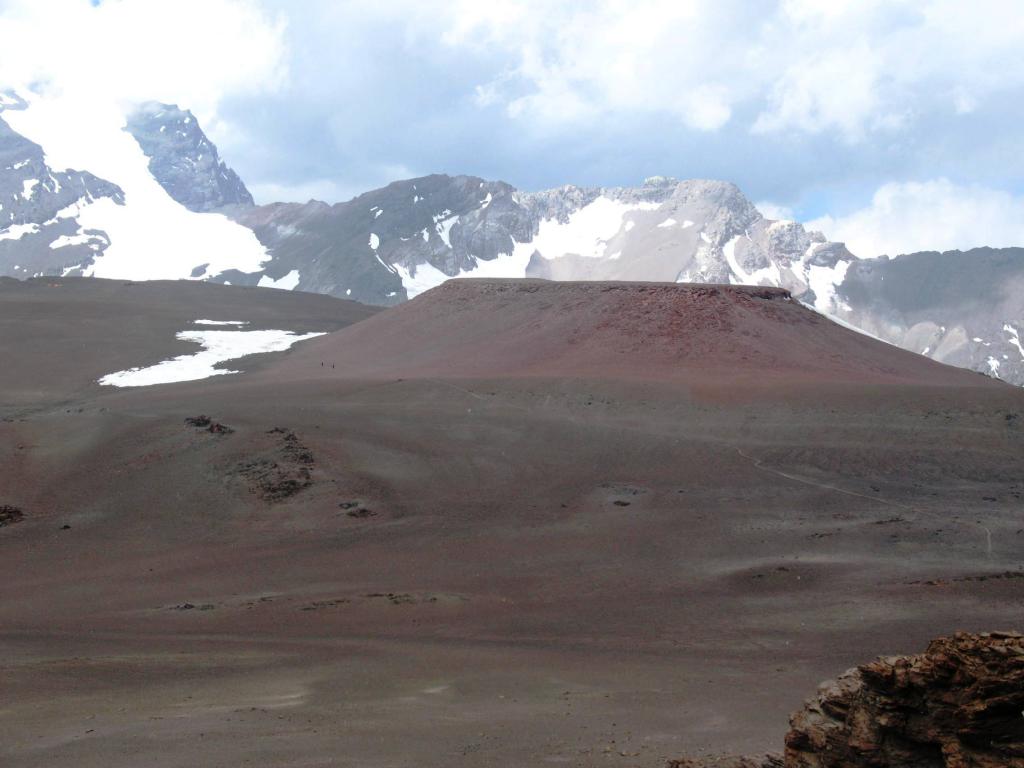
391, 244
183, 160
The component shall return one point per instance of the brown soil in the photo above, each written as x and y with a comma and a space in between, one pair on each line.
784, 492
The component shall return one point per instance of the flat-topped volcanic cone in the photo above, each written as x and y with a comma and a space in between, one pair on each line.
482, 328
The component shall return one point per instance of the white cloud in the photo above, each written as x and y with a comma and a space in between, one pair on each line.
773, 211
330, 190
121, 52
865, 65
927, 216
571, 63
846, 66
83, 67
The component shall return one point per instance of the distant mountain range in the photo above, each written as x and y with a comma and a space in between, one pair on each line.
171, 208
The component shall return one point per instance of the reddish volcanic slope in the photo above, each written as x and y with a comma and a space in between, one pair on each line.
486, 328
578, 552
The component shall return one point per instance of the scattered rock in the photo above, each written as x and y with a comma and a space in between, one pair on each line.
192, 607
981, 577
957, 705
318, 605
768, 761
203, 421
284, 471
994, 576
402, 598
361, 512
10, 515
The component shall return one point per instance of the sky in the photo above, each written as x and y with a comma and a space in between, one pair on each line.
893, 126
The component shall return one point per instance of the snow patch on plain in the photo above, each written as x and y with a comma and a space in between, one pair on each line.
670, 222
217, 347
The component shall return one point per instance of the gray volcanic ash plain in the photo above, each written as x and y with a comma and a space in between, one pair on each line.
507, 523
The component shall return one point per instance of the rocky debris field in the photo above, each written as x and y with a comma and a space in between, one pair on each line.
283, 471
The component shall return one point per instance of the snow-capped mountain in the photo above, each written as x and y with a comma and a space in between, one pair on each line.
148, 197
161, 214
39, 230
412, 235
82, 196
184, 162
964, 308
392, 243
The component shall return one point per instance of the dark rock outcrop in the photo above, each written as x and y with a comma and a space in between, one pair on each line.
960, 704
10, 515
282, 471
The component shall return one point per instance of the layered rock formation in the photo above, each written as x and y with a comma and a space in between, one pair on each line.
960, 704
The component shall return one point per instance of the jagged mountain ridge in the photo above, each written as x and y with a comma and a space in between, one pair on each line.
393, 243
390, 244
426, 230
183, 160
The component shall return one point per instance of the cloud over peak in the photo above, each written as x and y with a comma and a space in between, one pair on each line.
191, 52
